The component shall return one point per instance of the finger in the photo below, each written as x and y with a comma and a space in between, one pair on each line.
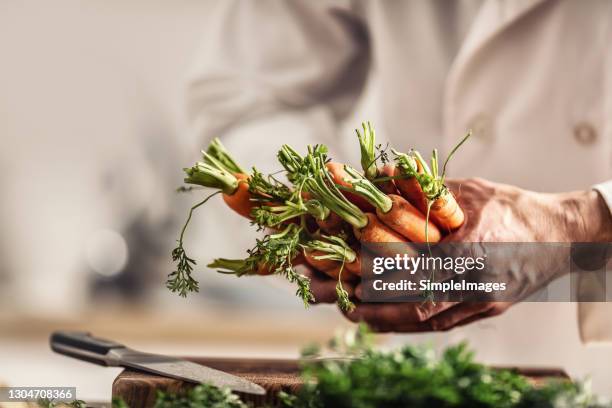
385, 325
496, 309
463, 312
398, 316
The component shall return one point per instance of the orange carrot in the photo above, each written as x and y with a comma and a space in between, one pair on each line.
263, 270
240, 199
334, 258
332, 225
424, 186
312, 259
411, 190
387, 186
394, 210
377, 232
405, 219
446, 212
355, 266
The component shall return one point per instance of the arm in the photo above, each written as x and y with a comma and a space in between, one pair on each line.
299, 71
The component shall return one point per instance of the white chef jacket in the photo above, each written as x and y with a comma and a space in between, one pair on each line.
531, 78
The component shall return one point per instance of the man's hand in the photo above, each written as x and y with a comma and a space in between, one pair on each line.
503, 213
494, 213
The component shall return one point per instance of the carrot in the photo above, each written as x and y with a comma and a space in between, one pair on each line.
241, 267
336, 170
411, 190
404, 218
318, 252
355, 266
446, 212
387, 186
264, 269
331, 266
424, 186
332, 224
394, 210
240, 199
377, 232
366, 226
316, 260
213, 172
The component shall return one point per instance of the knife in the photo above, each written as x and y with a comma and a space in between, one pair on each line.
84, 346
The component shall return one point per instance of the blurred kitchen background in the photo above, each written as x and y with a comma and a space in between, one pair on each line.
93, 136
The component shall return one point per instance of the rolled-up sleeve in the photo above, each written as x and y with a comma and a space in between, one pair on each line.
267, 66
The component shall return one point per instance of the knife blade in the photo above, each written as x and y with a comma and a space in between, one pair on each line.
84, 346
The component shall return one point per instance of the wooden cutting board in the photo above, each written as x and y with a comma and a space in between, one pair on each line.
139, 389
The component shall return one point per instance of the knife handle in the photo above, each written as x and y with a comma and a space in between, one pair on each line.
84, 346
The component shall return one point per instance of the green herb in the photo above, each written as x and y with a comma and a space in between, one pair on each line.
118, 402
359, 376
180, 280
49, 403
200, 396
414, 377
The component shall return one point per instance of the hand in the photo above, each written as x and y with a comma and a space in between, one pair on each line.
503, 213
498, 213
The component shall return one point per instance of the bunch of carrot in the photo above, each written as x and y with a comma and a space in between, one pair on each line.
325, 210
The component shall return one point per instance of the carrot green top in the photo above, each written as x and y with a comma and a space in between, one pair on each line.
429, 178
